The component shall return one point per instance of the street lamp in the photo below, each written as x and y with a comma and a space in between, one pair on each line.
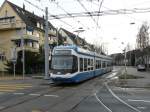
79, 30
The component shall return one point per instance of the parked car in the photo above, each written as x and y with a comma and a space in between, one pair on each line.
141, 67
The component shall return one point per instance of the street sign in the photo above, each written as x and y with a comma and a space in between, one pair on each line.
14, 59
14, 54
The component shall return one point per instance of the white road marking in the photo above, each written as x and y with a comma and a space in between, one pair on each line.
111, 75
18, 93
51, 95
142, 107
146, 101
102, 103
121, 99
34, 94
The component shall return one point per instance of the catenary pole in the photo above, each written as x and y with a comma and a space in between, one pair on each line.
23, 53
46, 46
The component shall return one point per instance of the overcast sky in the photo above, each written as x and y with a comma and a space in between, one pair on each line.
114, 29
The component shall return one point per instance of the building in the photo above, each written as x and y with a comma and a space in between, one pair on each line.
66, 37
17, 23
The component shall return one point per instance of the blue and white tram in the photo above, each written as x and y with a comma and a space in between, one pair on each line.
71, 64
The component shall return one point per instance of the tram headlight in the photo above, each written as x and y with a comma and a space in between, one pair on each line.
68, 73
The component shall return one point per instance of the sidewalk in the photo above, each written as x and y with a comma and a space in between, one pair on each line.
135, 83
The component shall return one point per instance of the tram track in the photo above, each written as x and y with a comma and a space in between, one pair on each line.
80, 92
53, 89
32, 98
105, 94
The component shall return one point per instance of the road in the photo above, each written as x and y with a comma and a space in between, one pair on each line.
95, 95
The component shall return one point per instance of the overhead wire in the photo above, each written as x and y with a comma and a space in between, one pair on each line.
89, 13
103, 13
44, 12
117, 11
100, 5
70, 15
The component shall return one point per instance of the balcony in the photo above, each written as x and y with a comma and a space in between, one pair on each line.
7, 23
26, 37
28, 48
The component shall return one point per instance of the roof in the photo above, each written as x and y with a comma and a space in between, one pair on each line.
82, 51
29, 18
73, 36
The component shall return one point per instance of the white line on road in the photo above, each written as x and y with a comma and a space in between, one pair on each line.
112, 75
121, 99
51, 95
18, 93
146, 101
34, 94
102, 103
141, 107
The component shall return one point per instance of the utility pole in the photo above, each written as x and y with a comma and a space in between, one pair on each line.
125, 59
46, 46
57, 34
23, 53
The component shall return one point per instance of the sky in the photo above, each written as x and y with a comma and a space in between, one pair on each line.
113, 30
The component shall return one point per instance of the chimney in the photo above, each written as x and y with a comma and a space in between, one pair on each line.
23, 6
43, 16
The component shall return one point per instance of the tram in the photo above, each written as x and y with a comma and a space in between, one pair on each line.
72, 64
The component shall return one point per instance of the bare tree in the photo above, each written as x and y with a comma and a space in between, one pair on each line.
143, 36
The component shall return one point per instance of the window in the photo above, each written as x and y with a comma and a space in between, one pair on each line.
6, 13
29, 32
96, 64
89, 66
38, 24
42, 27
106, 63
99, 63
64, 64
85, 64
2, 57
103, 64
29, 44
37, 35
81, 64
92, 64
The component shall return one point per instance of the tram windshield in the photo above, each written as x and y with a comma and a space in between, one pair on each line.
62, 62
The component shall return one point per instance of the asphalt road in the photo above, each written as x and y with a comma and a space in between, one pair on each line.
95, 95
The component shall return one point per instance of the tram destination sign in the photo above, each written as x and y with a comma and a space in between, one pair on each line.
62, 52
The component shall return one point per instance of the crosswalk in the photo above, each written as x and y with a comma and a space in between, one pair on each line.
13, 87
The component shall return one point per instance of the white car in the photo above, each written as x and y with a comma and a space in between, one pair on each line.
141, 67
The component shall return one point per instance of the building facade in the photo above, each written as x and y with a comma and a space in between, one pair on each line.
17, 23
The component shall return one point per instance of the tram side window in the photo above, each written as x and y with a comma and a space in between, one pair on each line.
75, 64
96, 64
85, 64
103, 64
89, 66
99, 63
81, 64
108, 64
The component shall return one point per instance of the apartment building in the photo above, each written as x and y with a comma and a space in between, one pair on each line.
17, 23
